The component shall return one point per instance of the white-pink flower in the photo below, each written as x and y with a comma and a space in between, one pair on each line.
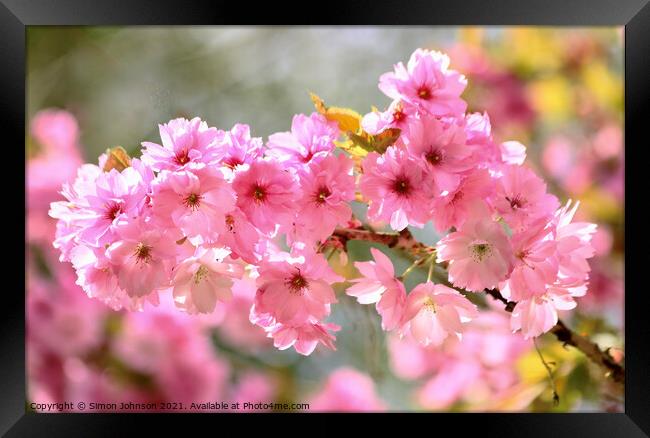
479, 254
520, 197
432, 312
379, 285
142, 256
295, 290
195, 201
203, 279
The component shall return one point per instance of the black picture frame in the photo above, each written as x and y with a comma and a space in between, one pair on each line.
15, 15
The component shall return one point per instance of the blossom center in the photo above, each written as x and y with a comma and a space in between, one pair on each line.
297, 283
480, 251
258, 193
143, 253
193, 201
402, 186
182, 157
322, 194
230, 222
232, 162
434, 157
113, 210
457, 197
200, 274
429, 305
516, 202
398, 115
424, 92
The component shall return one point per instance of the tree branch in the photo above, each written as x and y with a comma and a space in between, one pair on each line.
405, 241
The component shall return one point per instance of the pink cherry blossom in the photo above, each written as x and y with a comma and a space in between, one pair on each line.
379, 285
184, 143
199, 281
538, 314
295, 290
311, 139
426, 83
440, 145
520, 197
455, 208
194, 201
266, 194
57, 131
141, 256
397, 115
240, 236
304, 337
61, 318
574, 245
237, 147
479, 255
95, 275
327, 187
536, 263
432, 312
398, 189
347, 390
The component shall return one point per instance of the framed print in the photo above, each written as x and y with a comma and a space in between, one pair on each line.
421, 215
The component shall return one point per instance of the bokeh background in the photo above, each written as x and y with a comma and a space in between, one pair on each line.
557, 90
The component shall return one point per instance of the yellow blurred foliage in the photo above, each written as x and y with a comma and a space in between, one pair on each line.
552, 97
605, 85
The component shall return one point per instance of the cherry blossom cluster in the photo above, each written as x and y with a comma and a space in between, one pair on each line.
208, 207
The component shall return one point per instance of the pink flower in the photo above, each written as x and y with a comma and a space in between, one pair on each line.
95, 275
574, 246
116, 194
538, 314
141, 257
60, 318
184, 142
396, 116
379, 285
304, 338
56, 131
311, 138
236, 326
174, 353
238, 148
521, 197
254, 387
455, 208
194, 201
426, 83
536, 264
441, 147
295, 290
240, 236
266, 194
398, 189
327, 187
347, 390
479, 255
434, 311
199, 281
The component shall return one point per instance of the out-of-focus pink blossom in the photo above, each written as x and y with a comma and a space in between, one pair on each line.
348, 390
